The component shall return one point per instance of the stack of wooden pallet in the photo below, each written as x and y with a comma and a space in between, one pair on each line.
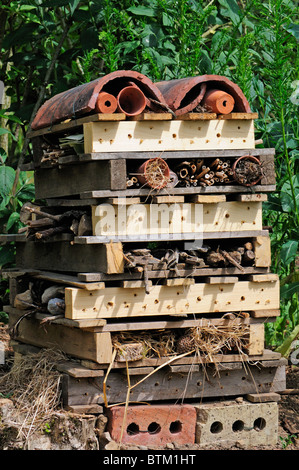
171, 285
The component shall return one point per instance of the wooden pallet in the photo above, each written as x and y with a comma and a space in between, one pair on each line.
133, 136
94, 257
73, 126
88, 341
197, 298
102, 175
174, 221
176, 382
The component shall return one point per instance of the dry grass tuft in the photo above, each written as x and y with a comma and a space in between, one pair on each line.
33, 384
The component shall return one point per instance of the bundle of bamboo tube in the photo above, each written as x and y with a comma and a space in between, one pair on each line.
197, 172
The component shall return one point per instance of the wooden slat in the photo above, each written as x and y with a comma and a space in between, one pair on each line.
271, 277
231, 189
64, 257
175, 220
198, 116
168, 135
117, 302
75, 179
208, 199
238, 116
72, 124
72, 341
151, 117
221, 280
251, 197
265, 313
262, 250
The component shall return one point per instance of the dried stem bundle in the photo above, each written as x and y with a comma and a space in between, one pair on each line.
34, 385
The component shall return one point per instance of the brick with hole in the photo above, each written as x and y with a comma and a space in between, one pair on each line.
154, 425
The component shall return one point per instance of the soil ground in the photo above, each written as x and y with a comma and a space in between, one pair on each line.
288, 429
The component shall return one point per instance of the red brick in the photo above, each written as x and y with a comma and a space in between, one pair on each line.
153, 424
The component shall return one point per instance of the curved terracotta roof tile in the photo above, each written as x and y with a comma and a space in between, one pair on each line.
183, 95
82, 99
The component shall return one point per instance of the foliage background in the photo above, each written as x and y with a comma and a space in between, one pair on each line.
49, 46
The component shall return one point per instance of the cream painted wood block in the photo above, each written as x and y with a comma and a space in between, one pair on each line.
117, 302
175, 219
133, 136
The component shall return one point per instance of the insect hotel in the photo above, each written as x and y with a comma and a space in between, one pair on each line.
144, 259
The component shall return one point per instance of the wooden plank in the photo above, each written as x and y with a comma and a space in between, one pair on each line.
77, 370
262, 250
179, 281
174, 154
269, 171
198, 116
117, 302
134, 284
187, 219
73, 341
72, 124
151, 117
251, 197
123, 200
256, 339
231, 189
168, 135
221, 279
272, 313
64, 257
271, 277
208, 199
138, 371
66, 279
167, 273
164, 384
168, 199
143, 325
75, 179
263, 397
238, 116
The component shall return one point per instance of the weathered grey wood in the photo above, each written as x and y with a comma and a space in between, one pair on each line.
165, 385
75, 179
86, 157
161, 274
86, 240
177, 190
61, 257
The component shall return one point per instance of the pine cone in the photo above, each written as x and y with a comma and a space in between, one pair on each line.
185, 344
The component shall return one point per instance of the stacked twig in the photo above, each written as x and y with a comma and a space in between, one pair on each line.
46, 225
202, 257
198, 172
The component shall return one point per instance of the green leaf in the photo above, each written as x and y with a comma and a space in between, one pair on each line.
22, 35
286, 196
13, 218
6, 131
293, 28
142, 11
287, 291
288, 251
7, 177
